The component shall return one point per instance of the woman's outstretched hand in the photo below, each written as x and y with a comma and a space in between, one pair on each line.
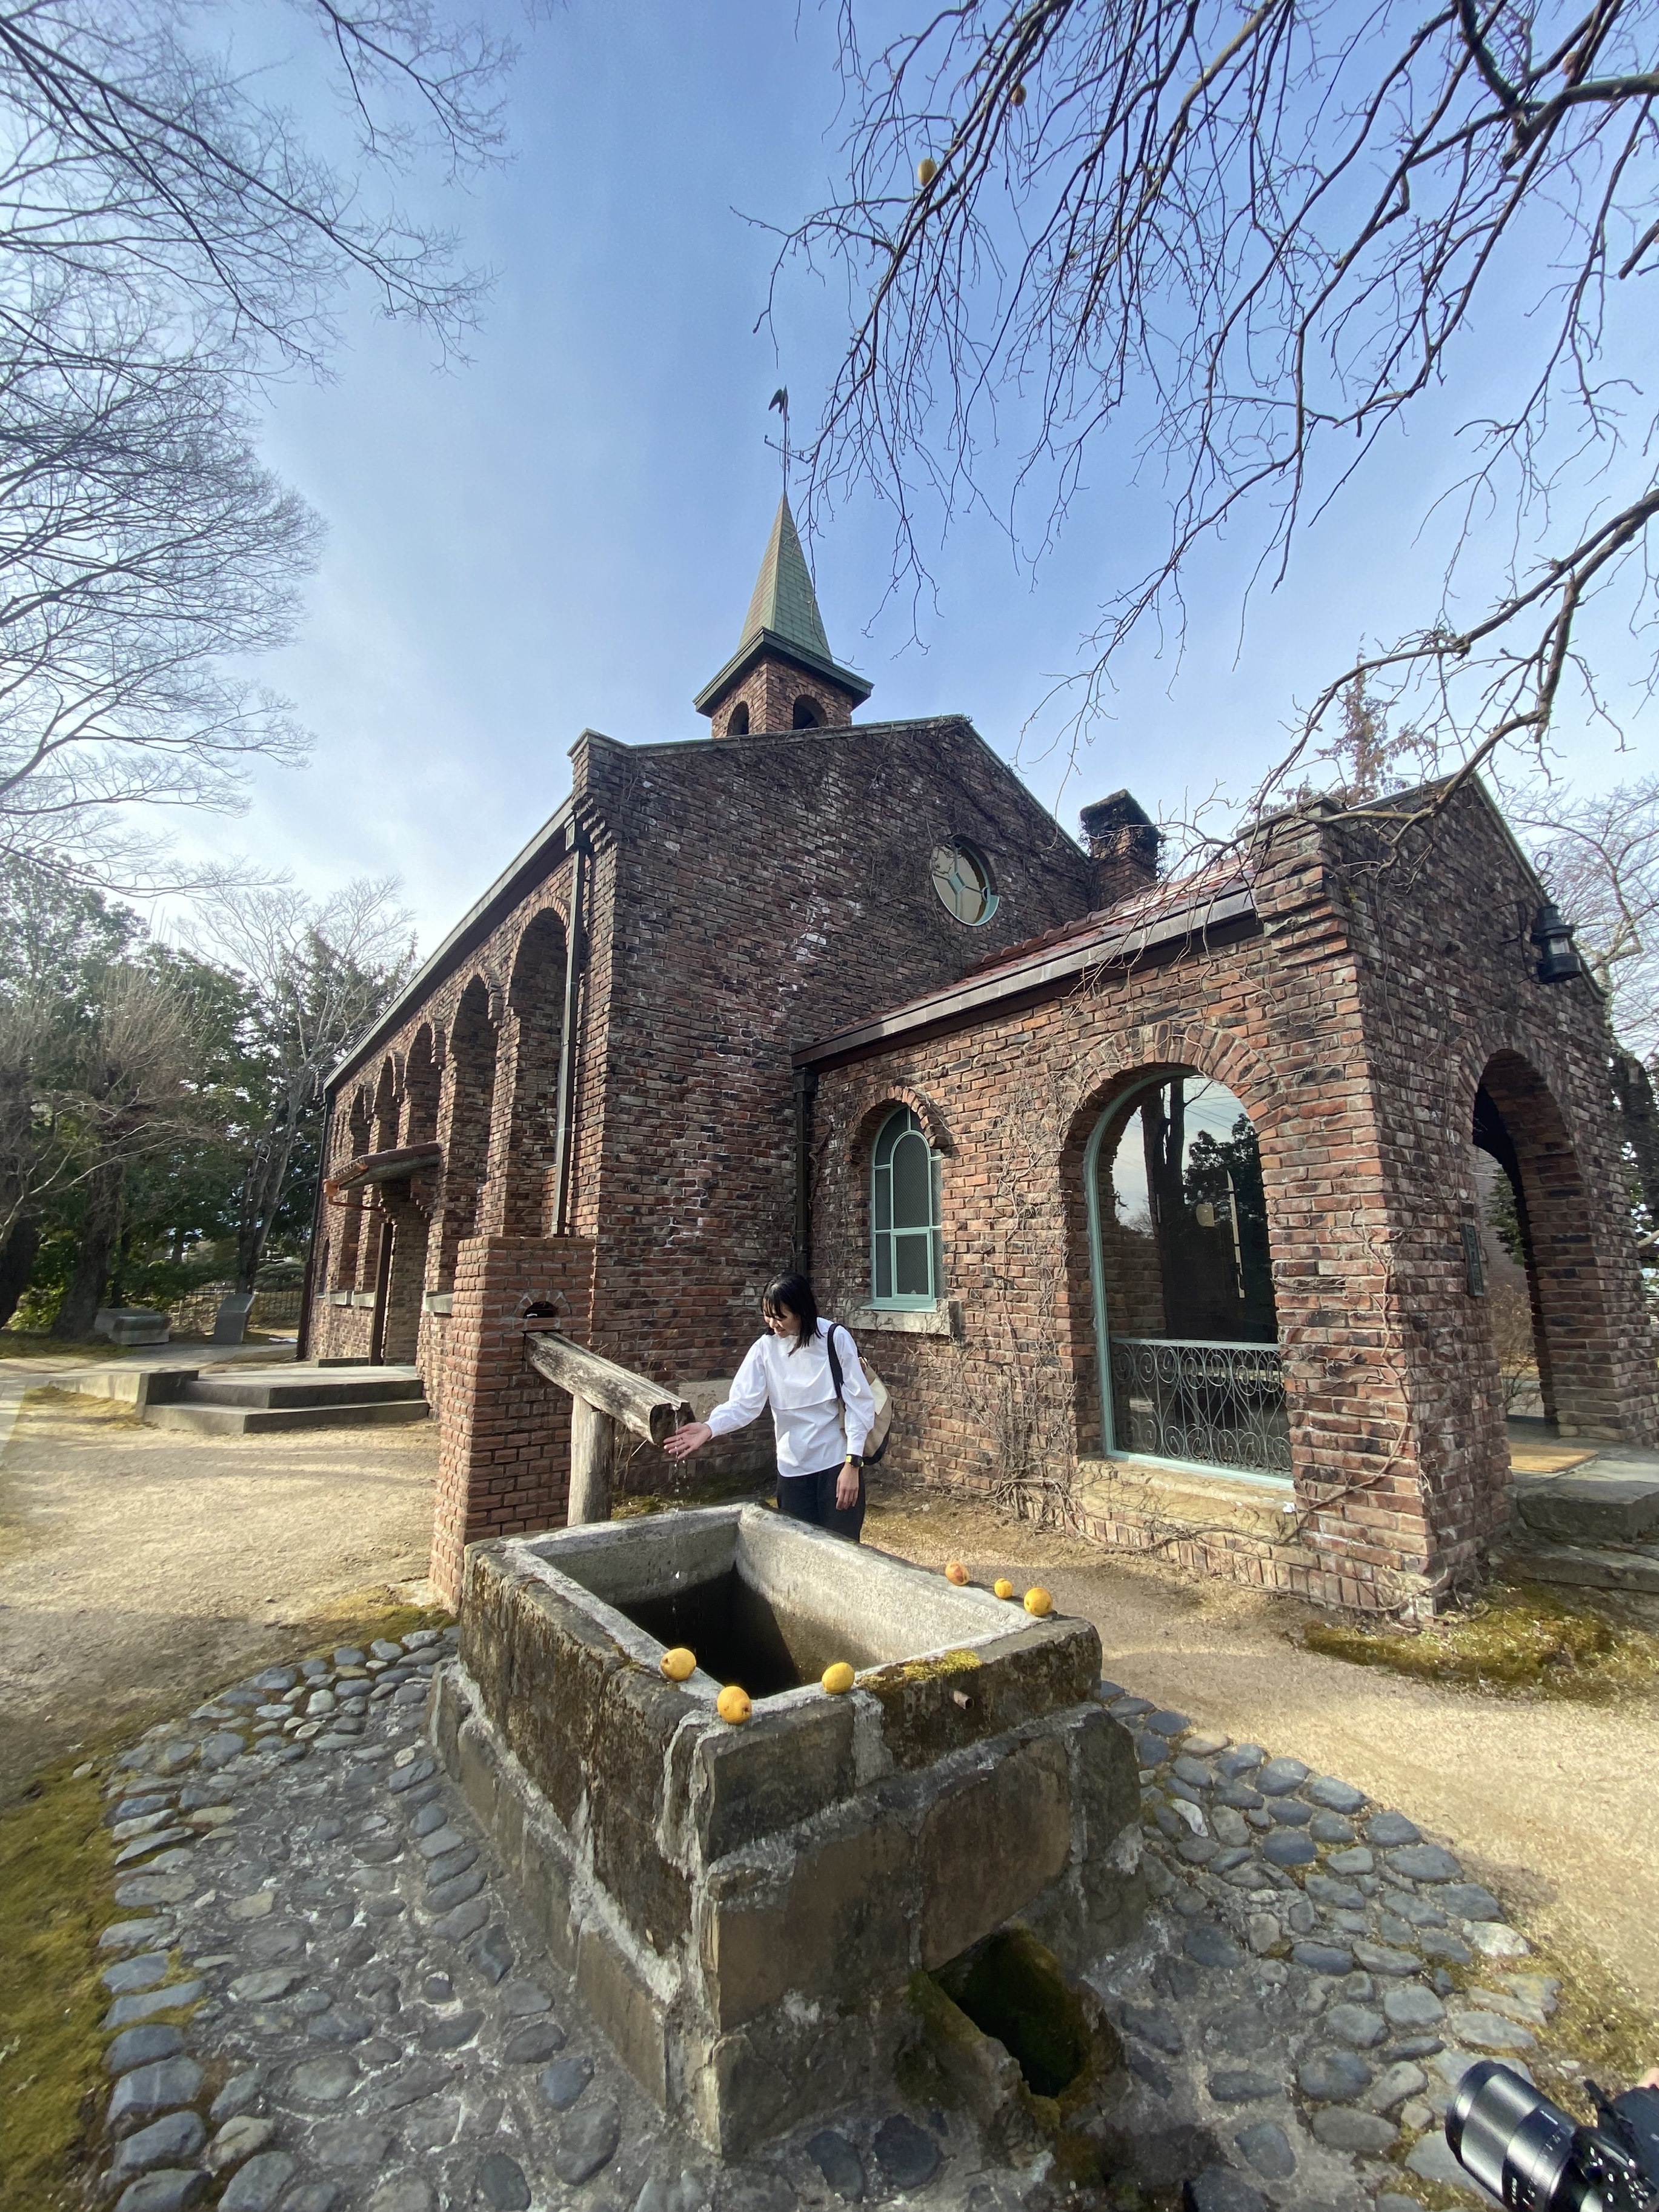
684, 1441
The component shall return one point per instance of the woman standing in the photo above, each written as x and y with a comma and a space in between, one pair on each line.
820, 1436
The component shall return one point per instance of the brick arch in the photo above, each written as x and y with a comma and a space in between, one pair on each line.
1517, 1111
422, 1073
1113, 1061
1111, 1066
532, 1041
877, 1101
464, 1120
357, 1126
387, 1101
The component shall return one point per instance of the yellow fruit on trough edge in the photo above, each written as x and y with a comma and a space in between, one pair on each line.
733, 1704
679, 1664
838, 1678
956, 1572
1038, 1602
1003, 1587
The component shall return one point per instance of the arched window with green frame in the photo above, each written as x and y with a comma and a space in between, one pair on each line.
905, 1259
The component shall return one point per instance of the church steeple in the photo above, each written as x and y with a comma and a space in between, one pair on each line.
782, 675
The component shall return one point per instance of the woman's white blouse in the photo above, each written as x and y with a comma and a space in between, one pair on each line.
802, 1391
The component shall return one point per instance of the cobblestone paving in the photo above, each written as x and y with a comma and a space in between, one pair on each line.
322, 1998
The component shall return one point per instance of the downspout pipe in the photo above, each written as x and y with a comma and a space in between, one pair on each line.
574, 952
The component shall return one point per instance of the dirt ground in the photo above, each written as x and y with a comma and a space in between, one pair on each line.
139, 1567
1554, 1804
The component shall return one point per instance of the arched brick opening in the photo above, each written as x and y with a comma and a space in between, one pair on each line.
472, 1088
1518, 1122
536, 1003
421, 1089
387, 1103
1216, 1397
351, 1213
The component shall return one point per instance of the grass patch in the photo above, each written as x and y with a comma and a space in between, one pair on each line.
28, 1344
56, 1899
1587, 1645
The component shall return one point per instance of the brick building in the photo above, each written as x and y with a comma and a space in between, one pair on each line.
1154, 1202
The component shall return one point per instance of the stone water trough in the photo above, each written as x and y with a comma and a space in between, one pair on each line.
745, 1908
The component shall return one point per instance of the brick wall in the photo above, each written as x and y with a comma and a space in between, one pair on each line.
768, 695
768, 891
1355, 1026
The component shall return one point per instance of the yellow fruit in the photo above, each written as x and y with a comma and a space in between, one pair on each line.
838, 1678
1003, 1587
678, 1663
956, 1572
927, 170
733, 1704
1038, 1601
1017, 97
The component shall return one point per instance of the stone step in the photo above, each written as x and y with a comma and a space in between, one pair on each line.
357, 1386
1636, 1568
266, 1421
1591, 1506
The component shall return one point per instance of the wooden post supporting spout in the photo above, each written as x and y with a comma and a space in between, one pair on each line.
592, 1452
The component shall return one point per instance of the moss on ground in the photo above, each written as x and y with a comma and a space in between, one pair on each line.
1591, 1645
55, 1899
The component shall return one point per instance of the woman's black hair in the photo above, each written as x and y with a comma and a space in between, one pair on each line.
793, 1294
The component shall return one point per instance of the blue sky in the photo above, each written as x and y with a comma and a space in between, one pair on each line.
563, 532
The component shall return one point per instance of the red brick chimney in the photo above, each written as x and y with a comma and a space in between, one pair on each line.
1123, 844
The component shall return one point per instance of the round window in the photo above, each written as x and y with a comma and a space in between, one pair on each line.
962, 878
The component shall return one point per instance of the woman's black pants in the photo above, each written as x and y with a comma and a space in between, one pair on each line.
812, 1498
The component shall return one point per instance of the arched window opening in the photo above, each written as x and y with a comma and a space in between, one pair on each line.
738, 726
905, 1260
1536, 1279
807, 716
1186, 1328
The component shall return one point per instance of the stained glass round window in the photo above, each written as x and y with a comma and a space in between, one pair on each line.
962, 880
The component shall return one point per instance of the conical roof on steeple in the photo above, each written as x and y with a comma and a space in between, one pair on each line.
783, 620
784, 601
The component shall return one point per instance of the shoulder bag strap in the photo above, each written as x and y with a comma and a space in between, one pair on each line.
834, 1362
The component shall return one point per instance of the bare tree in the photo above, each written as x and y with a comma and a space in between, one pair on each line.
1253, 242
318, 973
141, 543
1600, 858
167, 240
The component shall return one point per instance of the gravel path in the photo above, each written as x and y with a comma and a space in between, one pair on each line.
136, 1563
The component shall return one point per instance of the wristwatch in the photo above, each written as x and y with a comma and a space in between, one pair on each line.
854, 1459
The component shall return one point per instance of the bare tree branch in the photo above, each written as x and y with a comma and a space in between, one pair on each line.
1257, 244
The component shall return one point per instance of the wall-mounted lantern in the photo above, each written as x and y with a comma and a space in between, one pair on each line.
1557, 961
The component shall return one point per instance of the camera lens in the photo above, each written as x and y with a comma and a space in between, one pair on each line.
1514, 2140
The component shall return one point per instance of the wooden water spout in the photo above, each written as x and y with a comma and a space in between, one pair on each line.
603, 1397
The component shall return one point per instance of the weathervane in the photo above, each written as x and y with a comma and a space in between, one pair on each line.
780, 400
